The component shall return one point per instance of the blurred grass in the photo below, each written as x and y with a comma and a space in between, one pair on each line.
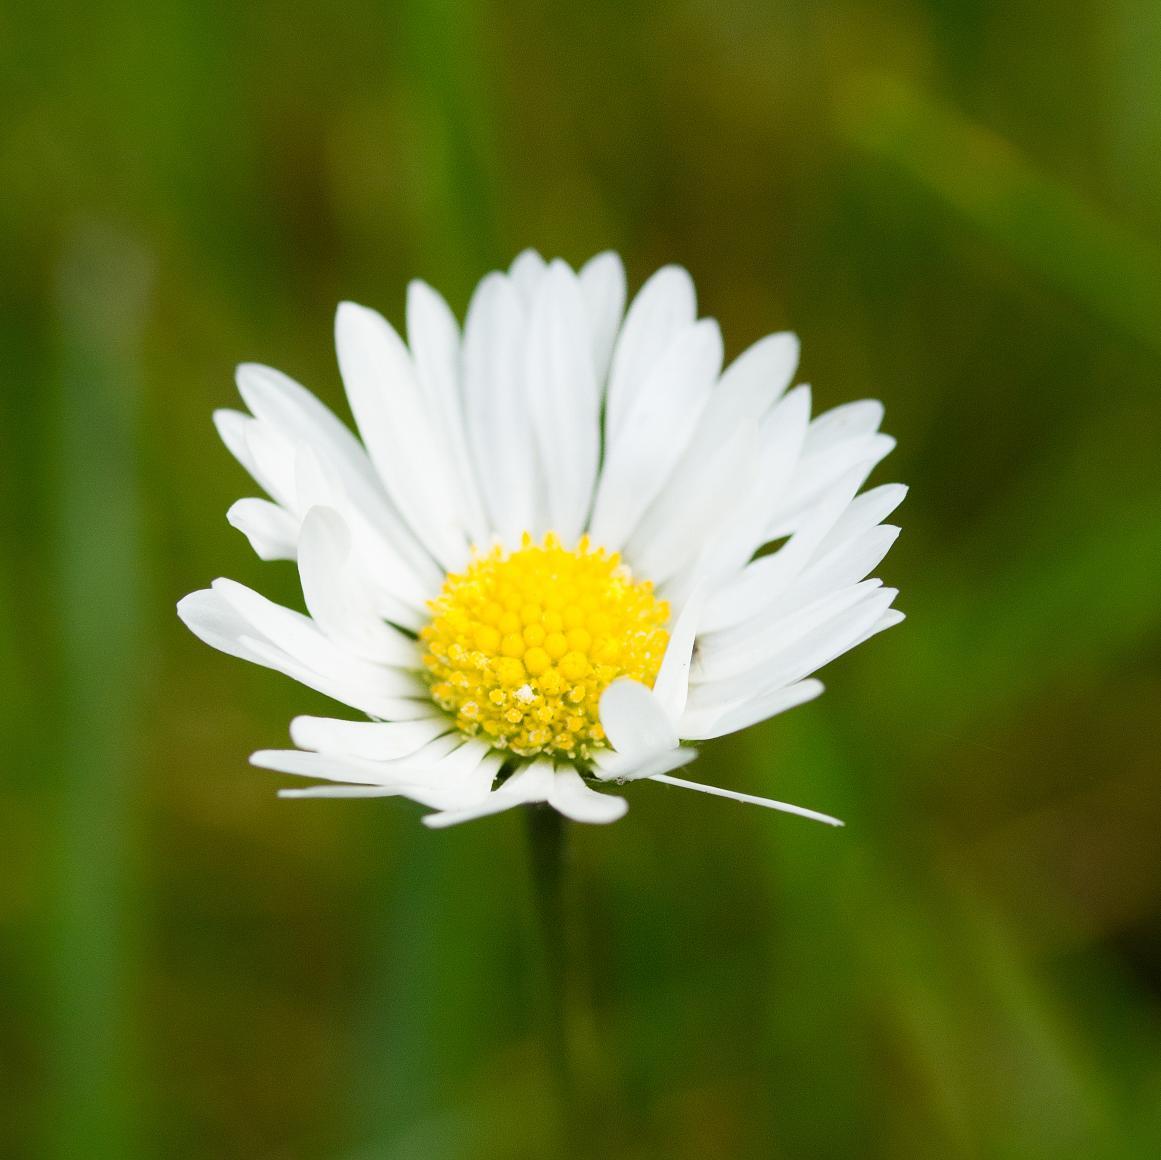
957, 207
92, 932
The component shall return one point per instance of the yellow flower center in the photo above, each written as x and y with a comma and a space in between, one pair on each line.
522, 644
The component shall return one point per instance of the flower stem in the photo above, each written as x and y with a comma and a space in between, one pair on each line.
547, 846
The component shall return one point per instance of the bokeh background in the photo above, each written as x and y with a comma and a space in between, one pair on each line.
957, 205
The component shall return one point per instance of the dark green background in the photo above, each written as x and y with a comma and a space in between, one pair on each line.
958, 207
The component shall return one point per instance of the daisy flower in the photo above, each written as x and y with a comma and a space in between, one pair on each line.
565, 542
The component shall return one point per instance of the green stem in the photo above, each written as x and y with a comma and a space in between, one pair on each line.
547, 846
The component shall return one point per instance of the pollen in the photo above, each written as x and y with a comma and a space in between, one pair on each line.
522, 644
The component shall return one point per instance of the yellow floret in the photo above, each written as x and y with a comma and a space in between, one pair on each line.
522, 644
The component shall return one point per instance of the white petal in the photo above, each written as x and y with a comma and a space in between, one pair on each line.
847, 563
293, 411
342, 791
671, 688
602, 282
841, 424
215, 623
749, 799
715, 470
434, 339
291, 643
745, 646
634, 720
531, 783
757, 378
665, 305
299, 637
402, 574
385, 398
417, 769
865, 512
799, 659
271, 530
761, 582
214, 620
704, 724
570, 796
610, 766
565, 400
889, 619
526, 272
743, 530
499, 427
299, 469
372, 740
362, 691
817, 474
643, 449
231, 428
702, 496
339, 599
262, 451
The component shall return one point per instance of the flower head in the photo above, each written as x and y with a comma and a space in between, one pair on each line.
548, 562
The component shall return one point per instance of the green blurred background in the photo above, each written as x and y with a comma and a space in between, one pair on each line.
957, 205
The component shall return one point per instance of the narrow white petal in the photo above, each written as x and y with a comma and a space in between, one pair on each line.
889, 619
444, 775
570, 796
671, 688
527, 272
271, 530
402, 574
299, 473
385, 398
602, 282
231, 427
499, 427
643, 448
565, 401
799, 659
757, 378
339, 598
762, 581
744, 646
369, 692
434, 339
718, 467
219, 624
665, 305
531, 783
843, 423
342, 791
288, 407
301, 638
372, 740
619, 767
215, 623
846, 564
705, 724
634, 720
750, 799
743, 530
817, 474
263, 452
325, 767
701, 497
291, 643
273, 453
417, 768
866, 511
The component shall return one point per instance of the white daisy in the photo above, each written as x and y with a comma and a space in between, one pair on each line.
550, 559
